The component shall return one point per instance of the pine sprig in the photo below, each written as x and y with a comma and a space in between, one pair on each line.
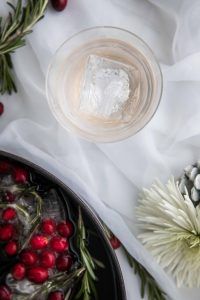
87, 290
13, 30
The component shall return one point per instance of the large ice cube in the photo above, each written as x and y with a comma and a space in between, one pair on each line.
106, 87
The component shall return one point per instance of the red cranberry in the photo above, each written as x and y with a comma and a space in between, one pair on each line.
65, 229
5, 293
59, 5
20, 175
18, 271
38, 242
48, 226
9, 197
4, 166
6, 232
28, 257
64, 262
47, 259
59, 244
1, 108
56, 296
9, 214
115, 243
37, 275
11, 248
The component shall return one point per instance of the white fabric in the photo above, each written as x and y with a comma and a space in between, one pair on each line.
110, 176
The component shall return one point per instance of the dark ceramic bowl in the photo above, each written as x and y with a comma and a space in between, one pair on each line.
110, 285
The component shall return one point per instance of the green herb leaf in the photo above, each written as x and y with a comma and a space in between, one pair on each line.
148, 286
13, 30
87, 289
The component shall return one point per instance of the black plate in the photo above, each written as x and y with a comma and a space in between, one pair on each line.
110, 285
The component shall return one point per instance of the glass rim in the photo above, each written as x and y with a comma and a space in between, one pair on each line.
71, 127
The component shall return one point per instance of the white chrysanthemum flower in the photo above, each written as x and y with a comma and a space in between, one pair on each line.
170, 226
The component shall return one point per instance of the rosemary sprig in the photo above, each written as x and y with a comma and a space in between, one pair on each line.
19, 208
33, 221
18, 24
149, 286
87, 290
59, 281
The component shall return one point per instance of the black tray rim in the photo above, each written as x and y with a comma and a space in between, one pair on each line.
89, 210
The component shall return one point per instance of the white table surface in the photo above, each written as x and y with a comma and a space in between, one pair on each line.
110, 176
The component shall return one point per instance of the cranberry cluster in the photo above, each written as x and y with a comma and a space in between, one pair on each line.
46, 254
48, 250
19, 175
8, 234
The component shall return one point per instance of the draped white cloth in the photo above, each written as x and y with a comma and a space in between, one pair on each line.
109, 176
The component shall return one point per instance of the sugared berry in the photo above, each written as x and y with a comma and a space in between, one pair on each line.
5, 166
37, 275
29, 257
65, 229
38, 242
115, 243
57, 295
18, 271
6, 232
59, 5
5, 293
11, 248
64, 262
20, 175
9, 197
9, 214
48, 226
59, 244
1, 108
47, 259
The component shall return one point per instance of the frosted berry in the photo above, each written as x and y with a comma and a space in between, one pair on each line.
59, 244
20, 175
6, 232
5, 166
115, 243
11, 248
9, 197
38, 242
1, 108
65, 229
37, 275
64, 262
56, 296
29, 257
18, 271
5, 293
47, 259
59, 5
48, 226
9, 214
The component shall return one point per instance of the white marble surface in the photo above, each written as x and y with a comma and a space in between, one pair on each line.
110, 176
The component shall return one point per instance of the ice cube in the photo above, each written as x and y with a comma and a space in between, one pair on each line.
106, 87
